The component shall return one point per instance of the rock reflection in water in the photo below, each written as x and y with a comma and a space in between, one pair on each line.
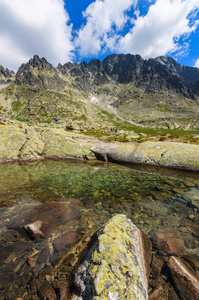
47, 192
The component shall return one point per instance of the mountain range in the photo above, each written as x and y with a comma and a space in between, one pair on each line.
120, 91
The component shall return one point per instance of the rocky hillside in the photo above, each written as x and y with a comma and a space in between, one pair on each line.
6, 75
119, 92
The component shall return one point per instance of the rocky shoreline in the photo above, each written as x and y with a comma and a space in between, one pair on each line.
21, 142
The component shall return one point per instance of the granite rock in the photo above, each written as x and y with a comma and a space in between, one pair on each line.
116, 266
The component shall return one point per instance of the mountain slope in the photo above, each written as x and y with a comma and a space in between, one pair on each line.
101, 95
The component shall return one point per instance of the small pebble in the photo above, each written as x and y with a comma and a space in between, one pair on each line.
191, 216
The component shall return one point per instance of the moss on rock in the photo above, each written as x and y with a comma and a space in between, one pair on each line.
165, 154
19, 140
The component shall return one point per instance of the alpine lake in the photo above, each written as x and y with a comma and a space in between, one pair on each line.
74, 199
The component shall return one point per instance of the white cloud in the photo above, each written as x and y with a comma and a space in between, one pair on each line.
104, 18
197, 63
159, 31
34, 27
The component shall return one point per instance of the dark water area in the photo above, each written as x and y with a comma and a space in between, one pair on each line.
76, 199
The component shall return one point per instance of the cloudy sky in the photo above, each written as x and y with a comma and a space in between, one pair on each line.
76, 30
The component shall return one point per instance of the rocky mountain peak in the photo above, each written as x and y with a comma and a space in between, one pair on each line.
38, 71
40, 63
122, 67
186, 73
6, 75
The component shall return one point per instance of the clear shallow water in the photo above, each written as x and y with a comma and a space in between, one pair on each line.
139, 192
150, 197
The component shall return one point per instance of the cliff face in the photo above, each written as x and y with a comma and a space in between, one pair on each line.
186, 73
155, 93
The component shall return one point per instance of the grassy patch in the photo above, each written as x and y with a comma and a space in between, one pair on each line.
22, 120
155, 132
16, 105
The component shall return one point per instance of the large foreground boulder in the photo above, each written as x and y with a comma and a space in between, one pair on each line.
117, 266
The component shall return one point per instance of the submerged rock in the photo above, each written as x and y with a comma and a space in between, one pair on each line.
44, 219
167, 241
117, 266
34, 230
185, 279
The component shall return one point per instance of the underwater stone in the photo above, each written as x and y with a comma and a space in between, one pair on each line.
167, 241
185, 279
46, 218
33, 230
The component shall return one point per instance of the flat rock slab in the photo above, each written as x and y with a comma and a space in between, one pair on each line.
168, 154
116, 266
62, 144
116, 152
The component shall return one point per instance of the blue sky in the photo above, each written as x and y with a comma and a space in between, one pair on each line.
76, 30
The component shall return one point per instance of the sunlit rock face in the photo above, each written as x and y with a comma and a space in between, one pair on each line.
165, 154
117, 267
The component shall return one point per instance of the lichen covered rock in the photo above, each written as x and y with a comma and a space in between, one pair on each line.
169, 154
12, 140
34, 145
165, 154
116, 266
117, 152
19, 142
59, 143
